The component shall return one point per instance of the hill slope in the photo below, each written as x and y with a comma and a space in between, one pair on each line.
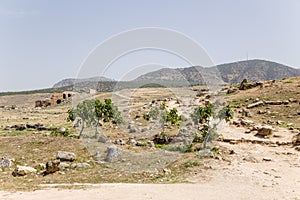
72, 81
253, 70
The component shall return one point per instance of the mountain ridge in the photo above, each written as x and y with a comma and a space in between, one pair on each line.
235, 72
72, 81
232, 73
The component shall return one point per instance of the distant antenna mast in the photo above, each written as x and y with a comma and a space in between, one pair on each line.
247, 55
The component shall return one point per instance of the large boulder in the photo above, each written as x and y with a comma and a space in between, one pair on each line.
66, 156
23, 170
113, 153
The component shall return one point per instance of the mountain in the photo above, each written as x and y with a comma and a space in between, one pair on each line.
73, 81
253, 70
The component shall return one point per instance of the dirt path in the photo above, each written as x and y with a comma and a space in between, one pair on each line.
225, 189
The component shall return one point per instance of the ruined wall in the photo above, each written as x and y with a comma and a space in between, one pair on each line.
56, 98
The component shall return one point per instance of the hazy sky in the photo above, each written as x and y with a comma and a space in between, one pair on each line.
44, 41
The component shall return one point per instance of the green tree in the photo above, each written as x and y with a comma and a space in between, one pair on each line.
226, 113
202, 114
91, 112
85, 110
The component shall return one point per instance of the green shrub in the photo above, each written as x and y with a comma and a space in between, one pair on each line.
202, 114
190, 163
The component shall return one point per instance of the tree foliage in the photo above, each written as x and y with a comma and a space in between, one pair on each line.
202, 114
91, 112
226, 113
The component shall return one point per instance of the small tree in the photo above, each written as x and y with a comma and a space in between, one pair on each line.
202, 114
226, 113
91, 112
86, 112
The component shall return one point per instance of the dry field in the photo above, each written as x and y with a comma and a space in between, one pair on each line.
245, 167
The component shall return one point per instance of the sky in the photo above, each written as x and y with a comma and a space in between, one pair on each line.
44, 41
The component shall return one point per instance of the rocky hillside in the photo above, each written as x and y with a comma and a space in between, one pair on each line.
72, 81
253, 70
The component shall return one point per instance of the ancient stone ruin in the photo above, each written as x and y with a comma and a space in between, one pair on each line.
56, 98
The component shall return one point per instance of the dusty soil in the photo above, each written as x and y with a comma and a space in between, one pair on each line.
246, 167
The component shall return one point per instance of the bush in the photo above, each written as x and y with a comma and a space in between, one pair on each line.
202, 114
226, 113
190, 163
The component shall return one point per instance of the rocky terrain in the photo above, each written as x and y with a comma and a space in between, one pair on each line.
230, 73
255, 156
73, 81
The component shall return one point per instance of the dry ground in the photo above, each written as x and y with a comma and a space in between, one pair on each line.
241, 170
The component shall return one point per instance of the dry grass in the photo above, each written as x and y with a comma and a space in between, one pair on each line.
31, 147
281, 90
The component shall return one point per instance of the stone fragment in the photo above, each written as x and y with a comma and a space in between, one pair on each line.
66, 156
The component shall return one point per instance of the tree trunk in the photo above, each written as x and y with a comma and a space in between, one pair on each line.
81, 131
97, 133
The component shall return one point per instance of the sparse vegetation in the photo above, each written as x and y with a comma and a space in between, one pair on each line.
183, 149
191, 163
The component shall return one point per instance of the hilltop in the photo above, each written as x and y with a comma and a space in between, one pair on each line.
253, 70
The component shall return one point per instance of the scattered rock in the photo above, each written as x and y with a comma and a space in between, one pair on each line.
131, 141
119, 142
150, 143
273, 102
23, 170
296, 139
261, 112
250, 158
81, 165
246, 122
65, 156
246, 112
131, 128
243, 85
19, 127
103, 139
231, 90
144, 129
259, 103
161, 139
205, 153
167, 171
52, 167
184, 138
267, 159
265, 131
62, 129
6, 162
97, 156
63, 166
113, 153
